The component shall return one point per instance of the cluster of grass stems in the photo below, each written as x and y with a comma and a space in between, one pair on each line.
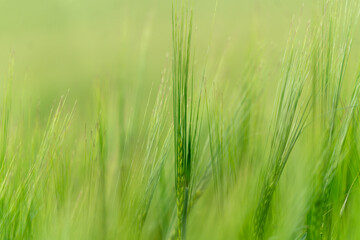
198, 160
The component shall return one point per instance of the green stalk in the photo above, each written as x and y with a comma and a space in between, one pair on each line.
185, 124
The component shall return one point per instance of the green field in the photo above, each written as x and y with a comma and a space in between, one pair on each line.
180, 119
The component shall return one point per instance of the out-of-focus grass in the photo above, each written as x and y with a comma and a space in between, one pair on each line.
87, 124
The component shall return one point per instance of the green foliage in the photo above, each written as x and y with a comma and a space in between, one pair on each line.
232, 142
185, 114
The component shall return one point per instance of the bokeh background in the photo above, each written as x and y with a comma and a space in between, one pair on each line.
70, 44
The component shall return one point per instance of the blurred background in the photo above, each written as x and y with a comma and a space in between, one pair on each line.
63, 45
